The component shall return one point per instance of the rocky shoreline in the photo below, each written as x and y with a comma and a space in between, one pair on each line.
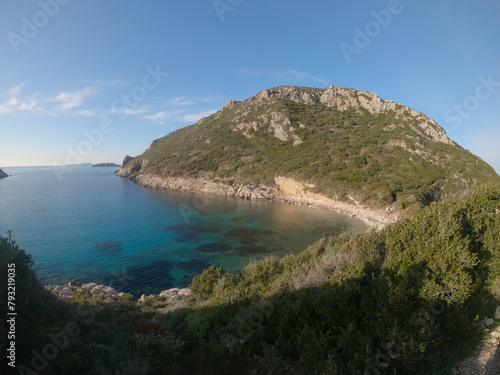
72, 288
286, 190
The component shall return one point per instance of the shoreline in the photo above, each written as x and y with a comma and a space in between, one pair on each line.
72, 288
287, 191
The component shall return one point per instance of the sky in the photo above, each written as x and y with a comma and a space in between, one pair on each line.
93, 80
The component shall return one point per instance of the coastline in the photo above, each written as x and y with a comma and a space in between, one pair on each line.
73, 288
287, 190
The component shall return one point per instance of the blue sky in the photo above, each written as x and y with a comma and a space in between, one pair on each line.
93, 80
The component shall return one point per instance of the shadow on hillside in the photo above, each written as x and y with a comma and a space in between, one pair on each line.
375, 324
362, 326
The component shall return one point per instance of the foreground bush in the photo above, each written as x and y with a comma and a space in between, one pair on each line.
401, 301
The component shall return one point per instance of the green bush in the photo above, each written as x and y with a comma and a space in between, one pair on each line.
203, 285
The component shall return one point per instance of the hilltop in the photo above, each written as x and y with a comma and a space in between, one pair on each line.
335, 147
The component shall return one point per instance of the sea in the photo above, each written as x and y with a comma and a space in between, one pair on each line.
84, 223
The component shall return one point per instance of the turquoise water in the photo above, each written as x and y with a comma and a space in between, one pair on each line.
91, 226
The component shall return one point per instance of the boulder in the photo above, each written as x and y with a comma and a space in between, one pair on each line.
497, 312
51, 287
184, 292
66, 293
103, 289
89, 286
174, 298
488, 322
169, 292
57, 289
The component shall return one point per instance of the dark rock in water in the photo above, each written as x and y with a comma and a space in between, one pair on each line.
215, 247
244, 250
109, 246
195, 265
178, 228
187, 237
3, 174
186, 280
150, 278
249, 236
207, 229
187, 228
189, 233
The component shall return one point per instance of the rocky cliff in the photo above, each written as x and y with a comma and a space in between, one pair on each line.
3, 174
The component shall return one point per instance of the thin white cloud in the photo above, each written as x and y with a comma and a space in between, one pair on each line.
5, 109
31, 106
72, 103
15, 90
283, 75
181, 100
130, 111
184, 101
177, 115
70, 100
62, 103
10, 105
86, 113
162, 116
195, 117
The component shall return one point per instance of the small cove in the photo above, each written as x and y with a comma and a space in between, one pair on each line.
92, 226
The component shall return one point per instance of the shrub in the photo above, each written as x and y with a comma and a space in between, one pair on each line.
203, 285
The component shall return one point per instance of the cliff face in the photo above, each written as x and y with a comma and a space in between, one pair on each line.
335, 147
3, 174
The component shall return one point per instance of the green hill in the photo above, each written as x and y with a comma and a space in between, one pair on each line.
328, 147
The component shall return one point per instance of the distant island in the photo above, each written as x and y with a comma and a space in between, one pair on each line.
106, 165
3, 174
79, 165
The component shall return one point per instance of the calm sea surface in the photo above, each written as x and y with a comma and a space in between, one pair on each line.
92, 226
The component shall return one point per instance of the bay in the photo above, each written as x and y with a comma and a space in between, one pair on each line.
86, 224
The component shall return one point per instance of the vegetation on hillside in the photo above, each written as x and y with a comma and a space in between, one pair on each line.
404, 300
377, 159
